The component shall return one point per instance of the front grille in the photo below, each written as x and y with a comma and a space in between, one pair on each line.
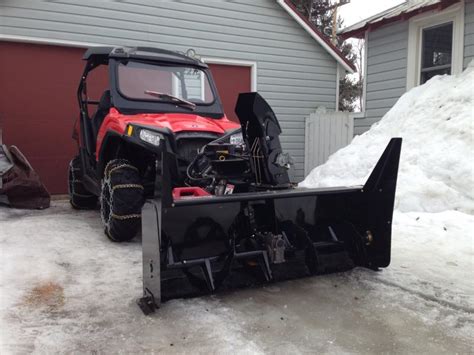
188, 147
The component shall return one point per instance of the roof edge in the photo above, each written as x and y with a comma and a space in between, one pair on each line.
317, 35
366, 25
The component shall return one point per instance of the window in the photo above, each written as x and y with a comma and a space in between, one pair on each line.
436, 52
141, 81
435, 44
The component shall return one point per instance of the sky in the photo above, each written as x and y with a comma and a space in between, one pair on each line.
358, 10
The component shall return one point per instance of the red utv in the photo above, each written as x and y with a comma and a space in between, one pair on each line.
164, 93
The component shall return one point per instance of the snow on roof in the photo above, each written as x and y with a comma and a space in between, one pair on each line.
400, 12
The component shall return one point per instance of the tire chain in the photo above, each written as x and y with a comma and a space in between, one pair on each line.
106, 184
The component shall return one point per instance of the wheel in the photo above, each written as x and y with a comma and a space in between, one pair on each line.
121, 200
79, 197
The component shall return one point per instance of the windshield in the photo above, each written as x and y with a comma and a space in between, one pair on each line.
137, 80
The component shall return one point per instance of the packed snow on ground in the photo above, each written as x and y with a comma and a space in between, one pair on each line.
433, 222
64, 288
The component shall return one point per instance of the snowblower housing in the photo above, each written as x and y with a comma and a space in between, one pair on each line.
268, 225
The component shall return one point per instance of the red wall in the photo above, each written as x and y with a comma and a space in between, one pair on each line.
230, 81
38, 104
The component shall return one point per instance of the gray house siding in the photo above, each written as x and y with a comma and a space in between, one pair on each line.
294, 73
468, 32
387, 50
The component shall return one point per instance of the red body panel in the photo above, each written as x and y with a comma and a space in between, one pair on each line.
176, 122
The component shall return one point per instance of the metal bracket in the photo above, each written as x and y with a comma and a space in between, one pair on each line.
151, 238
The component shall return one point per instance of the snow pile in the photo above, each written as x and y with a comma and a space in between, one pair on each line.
435, 121
432, 241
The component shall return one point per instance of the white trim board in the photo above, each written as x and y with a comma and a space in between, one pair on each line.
57, 42
236, 62
453, 14
338, 78
364, 84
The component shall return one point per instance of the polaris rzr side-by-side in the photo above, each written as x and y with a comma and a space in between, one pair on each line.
213, 197
155, 98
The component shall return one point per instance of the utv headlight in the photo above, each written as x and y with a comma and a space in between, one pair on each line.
237, 139
151, 137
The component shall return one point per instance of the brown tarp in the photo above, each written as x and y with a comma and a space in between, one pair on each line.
21, 184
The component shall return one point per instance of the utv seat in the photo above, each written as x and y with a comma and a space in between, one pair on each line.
105, 103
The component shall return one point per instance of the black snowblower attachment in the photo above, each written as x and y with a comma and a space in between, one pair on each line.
267, 229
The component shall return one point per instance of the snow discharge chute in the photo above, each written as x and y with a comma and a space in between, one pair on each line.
195, 242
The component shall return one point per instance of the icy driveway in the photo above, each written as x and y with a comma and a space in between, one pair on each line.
66, 288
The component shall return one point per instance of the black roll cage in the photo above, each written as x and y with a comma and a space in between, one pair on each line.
83, 100
111, 57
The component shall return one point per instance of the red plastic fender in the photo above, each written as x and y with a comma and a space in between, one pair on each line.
176, 122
